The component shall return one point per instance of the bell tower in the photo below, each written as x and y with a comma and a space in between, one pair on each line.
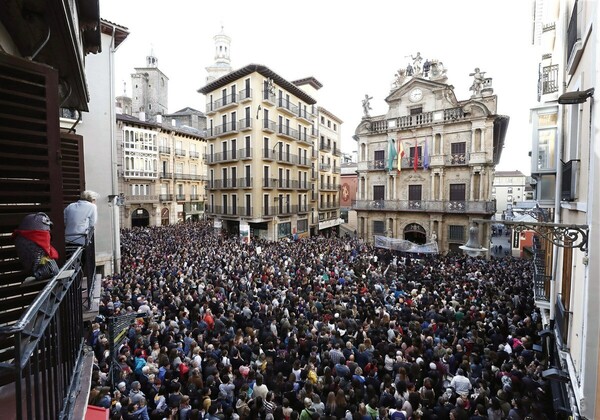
222, 65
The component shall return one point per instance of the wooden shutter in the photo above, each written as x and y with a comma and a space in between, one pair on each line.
30, 174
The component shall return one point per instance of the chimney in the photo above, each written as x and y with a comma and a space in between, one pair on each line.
142, 116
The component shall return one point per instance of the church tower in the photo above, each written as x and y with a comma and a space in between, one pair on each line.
150, 90
222, 65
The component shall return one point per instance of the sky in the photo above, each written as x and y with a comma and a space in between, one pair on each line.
352, 50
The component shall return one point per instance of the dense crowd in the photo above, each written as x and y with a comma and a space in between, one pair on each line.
328, 328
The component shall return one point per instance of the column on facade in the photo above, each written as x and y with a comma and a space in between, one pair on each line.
432, 186
471, 197
441, 186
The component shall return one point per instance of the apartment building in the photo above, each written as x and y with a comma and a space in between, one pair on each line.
329, 163
565, 161
261, 149
508, 189
425, 168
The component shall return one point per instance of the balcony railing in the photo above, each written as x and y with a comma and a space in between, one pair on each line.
324, 166
270, 126
229, 211
180, 197
285, 105
41, 351
324, 147
194, 154
165, 197
88, 258
179, 152
329, 187
245, 124
233, 183
227, 128
164, 149
190, 177
453, 206
541, 281
550, 79
245, 95
330, 205
427, 118
136, 199
337, 152
165, 175
222, 102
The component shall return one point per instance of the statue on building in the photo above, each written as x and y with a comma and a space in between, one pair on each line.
437, 70
409, 70
426, 68
366, 105
271, 86
434, 237
478, 77
400, 76
416, 66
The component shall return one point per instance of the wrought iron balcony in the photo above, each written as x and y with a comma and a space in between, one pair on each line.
287, 106
541, 281
164, 150
41, 351
180, 152
194, 154
136, 199
222, 103
165, 197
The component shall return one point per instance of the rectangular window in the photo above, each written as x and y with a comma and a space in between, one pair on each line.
457, 192
414, 192
378, 227
302, 226
379, 159
416, 111
456, 233
458, 148
248, 205
233, 204
378, 192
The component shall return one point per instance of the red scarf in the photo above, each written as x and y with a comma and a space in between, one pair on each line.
41, 238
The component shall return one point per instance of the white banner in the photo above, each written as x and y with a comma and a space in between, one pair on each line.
405, 246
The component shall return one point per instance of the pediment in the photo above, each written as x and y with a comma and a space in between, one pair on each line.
427, 86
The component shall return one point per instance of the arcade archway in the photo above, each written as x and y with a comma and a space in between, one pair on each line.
140, 217
415, 233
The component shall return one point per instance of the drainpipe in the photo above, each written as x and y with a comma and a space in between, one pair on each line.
113, 159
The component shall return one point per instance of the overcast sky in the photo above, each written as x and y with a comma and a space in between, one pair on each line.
352, 50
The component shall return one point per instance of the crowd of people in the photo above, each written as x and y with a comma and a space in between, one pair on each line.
328, 328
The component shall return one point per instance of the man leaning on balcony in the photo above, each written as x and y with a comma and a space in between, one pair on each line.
80, 217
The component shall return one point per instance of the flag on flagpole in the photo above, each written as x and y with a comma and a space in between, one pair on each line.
416, 156
400, 154
426, 155
392, 153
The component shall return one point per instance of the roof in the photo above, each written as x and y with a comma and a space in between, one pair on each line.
308, 81
507, 174
185, 111
121, 32
189, 131
329, 114
263, 70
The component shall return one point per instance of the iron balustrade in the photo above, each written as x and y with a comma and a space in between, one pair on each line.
438, 206
550, 79
230, 211
227, 128
324, 166
270, 126
42, 352
268, 96
165, 175
165, 197
180, 197
194, 154
245, 123
164, 149
541, 281
324, 147
329, 186
86, 241
286, 105
226, 100
180, 152
245, 94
